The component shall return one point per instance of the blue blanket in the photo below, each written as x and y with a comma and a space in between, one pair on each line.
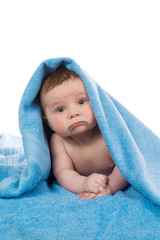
47, 211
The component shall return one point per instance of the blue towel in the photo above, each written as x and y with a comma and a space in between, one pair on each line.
41, 210
134, 148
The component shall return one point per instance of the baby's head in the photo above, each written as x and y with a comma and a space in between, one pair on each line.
65, 104
54, 79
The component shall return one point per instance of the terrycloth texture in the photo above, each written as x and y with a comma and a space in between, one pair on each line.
49, 211
54, 213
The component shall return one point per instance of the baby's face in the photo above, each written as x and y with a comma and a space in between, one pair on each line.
68, 109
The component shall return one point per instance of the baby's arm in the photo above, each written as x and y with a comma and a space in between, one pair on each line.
116, 181
63, 168
66, 175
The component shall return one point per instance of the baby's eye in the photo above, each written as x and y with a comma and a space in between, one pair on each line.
61, 109
81, 101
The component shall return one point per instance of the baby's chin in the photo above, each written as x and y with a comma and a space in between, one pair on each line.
76, 131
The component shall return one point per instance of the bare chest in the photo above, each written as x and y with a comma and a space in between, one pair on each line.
94, 158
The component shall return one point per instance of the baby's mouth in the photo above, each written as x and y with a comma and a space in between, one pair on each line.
76, 124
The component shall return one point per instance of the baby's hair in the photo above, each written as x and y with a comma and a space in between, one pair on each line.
54, 79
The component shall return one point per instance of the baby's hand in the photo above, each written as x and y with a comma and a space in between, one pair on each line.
91, 195
95, 183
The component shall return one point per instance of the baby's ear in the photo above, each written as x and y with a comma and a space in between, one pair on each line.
44, 118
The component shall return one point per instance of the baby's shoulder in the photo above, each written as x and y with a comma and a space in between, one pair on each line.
57, 146
55, 139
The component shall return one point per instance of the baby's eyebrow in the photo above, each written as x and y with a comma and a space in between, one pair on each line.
58, 103
82, 93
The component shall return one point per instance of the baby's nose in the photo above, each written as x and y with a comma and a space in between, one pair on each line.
73, 113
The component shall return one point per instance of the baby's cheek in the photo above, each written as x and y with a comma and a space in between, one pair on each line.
60, 127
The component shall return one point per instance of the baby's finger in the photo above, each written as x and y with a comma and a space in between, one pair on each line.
87, 195
105, 178
101, 181
81, 195
101, 189
94, 188
99, 195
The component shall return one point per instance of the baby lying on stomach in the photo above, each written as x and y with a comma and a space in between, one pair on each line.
81, 160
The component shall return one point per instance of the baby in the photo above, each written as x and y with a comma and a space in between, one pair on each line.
81, 161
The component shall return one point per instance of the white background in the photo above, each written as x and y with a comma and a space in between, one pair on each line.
116, 42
